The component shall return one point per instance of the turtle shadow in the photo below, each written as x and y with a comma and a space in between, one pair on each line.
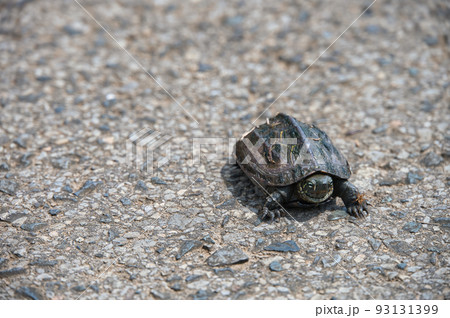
253, 198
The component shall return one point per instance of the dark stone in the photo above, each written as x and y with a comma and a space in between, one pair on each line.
223, 270
125, 201
287, 246
388, 182
399, 247
443, 221
227, 256
401, 266
275, 266
201, 295
24, 159
67, 189
337, 215
72, 31
140, 185
156, 180
291, 59
204, 67
105, 218
192, 278
112, 234
61, 197
44, 263
412, 227
271, 232
4, 166
29, 293
159, 295
61, 163
373, 29
87, 187
12, 216
398, 214
43, 78
8, 186
375, 244
30, 98
413, 178
21, 142
54, 211
32, 227
225, 220
303, 16
176, 287
188, 246
12, 272
2, 261
432, 159
433, 258
431, 40
79, 288
427, 107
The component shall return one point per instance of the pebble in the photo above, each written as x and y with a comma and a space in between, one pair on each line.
413, 178
8, 186
398, 214
431, 40
337, 215
275, 266
412, 227
336, 259
287, 246
2, 261
380, 129
156, 180
4, 166
29, 292
225, 220
140, 185
204, 67
44, 263
61, 163
67, 189
401, 266
227, 256
61, 197
87, 187
432, 159
12, 272
32, 227
125, 201
188, 246
399, 247
375, 244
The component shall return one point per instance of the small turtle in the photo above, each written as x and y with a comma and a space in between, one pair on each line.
296, 163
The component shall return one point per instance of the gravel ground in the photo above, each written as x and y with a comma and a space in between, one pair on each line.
80, 219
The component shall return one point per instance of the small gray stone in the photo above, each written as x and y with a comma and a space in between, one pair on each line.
8, 186
227, 256
398, 214
337, 215
61, 197
275, 266
12, 272
188, 246
125, 201
412, 227
401, 265
375, 244
432, 159
140, 185
413, 178
380, 129
87, 187
156, 180
287, 246
54, 211
399, 247
32, 227
4, 166
29, 292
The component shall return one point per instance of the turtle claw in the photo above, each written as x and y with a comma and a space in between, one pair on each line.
271, 214
358, 210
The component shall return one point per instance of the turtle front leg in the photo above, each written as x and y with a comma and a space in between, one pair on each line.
355, 203
273, 206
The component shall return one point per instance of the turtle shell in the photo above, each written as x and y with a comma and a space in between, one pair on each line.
284, 150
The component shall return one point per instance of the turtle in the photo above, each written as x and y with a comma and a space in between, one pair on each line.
294, 162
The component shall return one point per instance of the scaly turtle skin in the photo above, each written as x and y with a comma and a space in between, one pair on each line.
295, 162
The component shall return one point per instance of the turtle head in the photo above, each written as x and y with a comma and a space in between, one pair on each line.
315, 189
